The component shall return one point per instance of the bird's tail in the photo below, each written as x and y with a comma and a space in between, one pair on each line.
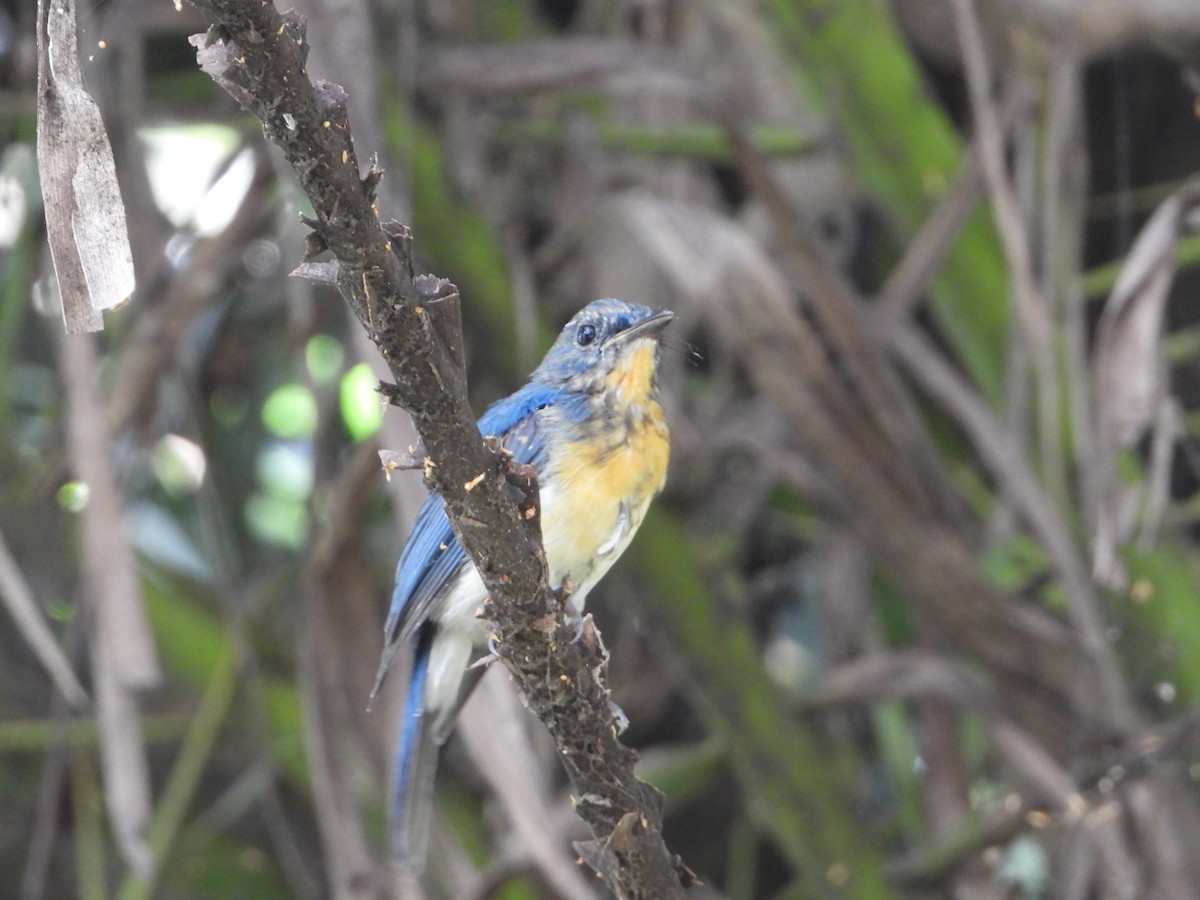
416, 766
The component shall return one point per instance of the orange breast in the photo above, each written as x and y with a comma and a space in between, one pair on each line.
599, 492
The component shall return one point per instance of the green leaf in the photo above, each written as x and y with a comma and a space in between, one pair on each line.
275, 520
73, 496
290, 412
323, 355
285, 472
362, 409
1164, 643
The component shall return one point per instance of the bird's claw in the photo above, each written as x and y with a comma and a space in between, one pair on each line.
571, 613
575, 617
492, 655
619, 715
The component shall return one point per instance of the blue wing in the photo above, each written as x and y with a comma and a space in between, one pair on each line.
433, 556
415, 766
430, 561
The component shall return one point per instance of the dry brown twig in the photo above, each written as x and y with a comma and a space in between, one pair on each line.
909, 281
258, 56
123, 654
337, 599
1030, 305
926, 365
1032, 311
854, 452
17, 595
93, 266
1130, 367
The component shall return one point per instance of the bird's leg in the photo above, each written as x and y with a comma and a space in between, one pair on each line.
570, 611
618, 715
594, 646
493, 654
575, 616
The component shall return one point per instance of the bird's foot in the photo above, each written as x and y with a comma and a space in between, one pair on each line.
619, 715
493, 654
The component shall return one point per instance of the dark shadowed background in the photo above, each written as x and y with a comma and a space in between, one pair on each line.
918, 614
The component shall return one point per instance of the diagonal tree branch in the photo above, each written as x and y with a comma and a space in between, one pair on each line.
258, 56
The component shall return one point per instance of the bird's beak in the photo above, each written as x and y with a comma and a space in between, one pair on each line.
648, 326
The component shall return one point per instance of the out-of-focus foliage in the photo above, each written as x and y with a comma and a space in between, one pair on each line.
917, 613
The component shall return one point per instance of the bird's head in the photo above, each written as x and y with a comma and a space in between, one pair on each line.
608, 346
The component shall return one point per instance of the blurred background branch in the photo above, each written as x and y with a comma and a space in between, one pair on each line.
917, 614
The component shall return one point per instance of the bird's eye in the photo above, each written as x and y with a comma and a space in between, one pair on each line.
585, 334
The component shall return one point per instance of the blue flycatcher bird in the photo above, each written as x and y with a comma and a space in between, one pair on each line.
590, 423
